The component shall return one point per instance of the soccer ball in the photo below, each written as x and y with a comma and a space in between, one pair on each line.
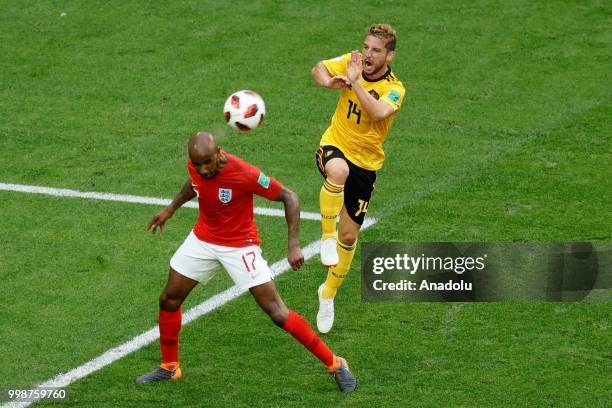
244, 110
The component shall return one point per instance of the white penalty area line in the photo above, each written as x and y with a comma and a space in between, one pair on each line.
126, 198
151, 335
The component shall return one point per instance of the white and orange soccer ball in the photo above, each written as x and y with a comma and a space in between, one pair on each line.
244, 110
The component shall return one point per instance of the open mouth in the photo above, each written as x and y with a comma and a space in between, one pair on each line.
368, 65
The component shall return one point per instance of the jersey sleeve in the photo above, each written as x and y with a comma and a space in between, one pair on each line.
338, 65
262, 185
394, 95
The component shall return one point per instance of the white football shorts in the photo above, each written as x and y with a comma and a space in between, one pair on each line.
200, 261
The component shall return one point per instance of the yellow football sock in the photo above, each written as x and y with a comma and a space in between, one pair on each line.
336, 274
331, 200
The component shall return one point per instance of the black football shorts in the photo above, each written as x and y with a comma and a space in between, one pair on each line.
359, 184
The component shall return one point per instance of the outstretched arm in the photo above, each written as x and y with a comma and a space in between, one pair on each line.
292, 216
159, 219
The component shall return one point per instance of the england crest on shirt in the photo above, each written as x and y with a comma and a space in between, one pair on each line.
225, 195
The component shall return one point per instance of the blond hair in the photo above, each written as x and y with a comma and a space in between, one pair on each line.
385, 32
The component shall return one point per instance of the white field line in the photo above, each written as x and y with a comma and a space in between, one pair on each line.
64, 379
63, 192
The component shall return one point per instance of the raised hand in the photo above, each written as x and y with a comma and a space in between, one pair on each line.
355, 66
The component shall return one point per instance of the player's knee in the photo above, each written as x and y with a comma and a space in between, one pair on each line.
338, 174
169, 302
347, 237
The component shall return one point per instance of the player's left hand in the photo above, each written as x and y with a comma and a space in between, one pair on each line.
295, 258
354, 67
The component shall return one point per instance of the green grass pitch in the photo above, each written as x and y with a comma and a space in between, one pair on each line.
504, 136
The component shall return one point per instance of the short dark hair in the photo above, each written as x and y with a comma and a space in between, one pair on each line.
384, 32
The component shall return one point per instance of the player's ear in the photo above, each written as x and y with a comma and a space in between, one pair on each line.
390, 56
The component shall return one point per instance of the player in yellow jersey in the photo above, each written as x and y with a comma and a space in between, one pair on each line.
351, 151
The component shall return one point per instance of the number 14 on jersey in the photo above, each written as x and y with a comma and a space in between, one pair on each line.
352, 110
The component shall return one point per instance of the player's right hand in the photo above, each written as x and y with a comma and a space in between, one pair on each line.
159, 220
295, 257
337, 82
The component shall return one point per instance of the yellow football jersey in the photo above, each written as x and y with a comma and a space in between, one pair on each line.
352, 130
